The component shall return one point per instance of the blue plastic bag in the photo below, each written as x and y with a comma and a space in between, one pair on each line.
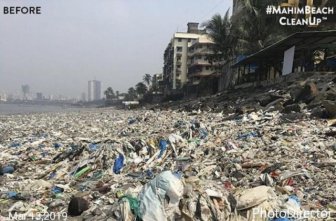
295, 200
163, 147
118, 164
57, 145
93, 147
15, 144
131, 121
52, 175
56, 190
7, 169
203, 133
248, 135
12, 194
149, 173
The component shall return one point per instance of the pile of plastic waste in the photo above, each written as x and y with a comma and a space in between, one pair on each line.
167, 165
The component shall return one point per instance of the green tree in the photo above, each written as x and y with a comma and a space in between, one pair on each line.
131, 94
250, 29
253, 28
109, 93
220, 31
141, 88
147, 79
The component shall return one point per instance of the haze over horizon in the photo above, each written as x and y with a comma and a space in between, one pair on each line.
74, 41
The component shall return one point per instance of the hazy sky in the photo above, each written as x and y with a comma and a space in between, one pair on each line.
73, 41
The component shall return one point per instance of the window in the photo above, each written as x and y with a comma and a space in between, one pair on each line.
189, 40
179, 49
179, 39
199, 57
207, 68
178, 83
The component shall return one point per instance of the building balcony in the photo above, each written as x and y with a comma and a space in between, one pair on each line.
200, 74
204, 51
199, 70
199, 63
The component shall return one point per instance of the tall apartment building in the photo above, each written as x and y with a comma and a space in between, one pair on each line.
198, 62
176, 56
3, 97
94, 90
83, 97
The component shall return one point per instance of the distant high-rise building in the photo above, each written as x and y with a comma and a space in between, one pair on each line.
39, 96
83, 97
10, 97
94, 90
25, 90
3, 97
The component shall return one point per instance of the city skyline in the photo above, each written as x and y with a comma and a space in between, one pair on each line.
25, 92
118, 43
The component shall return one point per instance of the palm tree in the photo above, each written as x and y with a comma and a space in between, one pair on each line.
253, 28
219, 29
109, 93
250, 29
131, 94
141, 88
147, 79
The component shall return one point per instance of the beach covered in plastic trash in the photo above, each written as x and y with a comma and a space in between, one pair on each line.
109, 164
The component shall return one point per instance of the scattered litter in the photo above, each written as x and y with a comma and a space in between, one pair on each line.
169, 164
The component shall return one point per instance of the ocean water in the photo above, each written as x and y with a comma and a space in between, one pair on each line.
27, 109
